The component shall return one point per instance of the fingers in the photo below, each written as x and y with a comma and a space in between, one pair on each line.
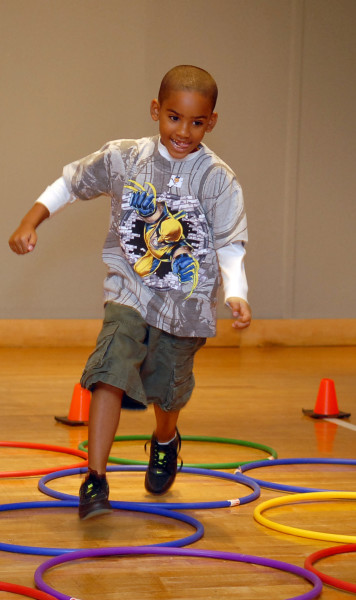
185, 267
242, 314
143, 203
238, 324
22, 243
241, 320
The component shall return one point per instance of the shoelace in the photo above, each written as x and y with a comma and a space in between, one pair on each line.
163, 460
95, 487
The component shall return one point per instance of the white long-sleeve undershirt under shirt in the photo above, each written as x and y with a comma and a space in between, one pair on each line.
231, 257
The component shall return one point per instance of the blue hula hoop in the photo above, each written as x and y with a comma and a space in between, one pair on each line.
43, 551
236, 478
293, 461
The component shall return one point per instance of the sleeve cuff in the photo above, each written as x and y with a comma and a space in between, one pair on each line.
56, 196
232, 268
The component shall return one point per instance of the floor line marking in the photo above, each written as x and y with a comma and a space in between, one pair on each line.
342, 423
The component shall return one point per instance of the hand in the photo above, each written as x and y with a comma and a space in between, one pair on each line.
24, 239
185, 266
145, 205
241, 311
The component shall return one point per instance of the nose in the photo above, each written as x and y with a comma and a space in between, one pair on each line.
183, 129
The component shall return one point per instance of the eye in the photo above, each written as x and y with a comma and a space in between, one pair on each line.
198, 123
173, 117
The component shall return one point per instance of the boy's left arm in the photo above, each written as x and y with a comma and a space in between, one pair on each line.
232, 268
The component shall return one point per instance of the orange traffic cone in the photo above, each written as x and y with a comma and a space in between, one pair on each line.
79, 408
326, 402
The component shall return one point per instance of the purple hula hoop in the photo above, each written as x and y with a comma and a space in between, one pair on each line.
140, 550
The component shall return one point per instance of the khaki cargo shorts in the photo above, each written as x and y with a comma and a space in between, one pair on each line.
150, 365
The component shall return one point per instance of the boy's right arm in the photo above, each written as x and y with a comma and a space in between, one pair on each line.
24, 239
55, 197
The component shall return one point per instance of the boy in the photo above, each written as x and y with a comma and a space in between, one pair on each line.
177, 215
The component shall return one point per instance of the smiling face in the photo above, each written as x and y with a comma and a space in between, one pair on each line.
184, 118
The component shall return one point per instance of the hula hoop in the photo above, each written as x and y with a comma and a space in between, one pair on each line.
188, 438
293, 461
167, 505
140, 550
25, 591
49, 447
307, 497
336, 583
43, 551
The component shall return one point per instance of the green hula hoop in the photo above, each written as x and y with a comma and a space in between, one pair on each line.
189, 438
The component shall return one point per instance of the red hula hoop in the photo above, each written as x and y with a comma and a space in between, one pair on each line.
333, 581
25, 591
49, 447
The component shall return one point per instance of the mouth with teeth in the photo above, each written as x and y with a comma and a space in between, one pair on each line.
180, 146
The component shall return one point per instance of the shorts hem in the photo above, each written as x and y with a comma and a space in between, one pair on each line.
89, 382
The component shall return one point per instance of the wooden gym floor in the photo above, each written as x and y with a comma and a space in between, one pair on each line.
253, 394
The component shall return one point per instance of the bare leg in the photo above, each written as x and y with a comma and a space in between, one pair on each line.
166, 423
104, 417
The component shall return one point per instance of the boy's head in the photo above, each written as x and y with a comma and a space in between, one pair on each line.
184, 109
190, 79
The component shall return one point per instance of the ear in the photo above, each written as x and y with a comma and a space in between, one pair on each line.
155, 109
212, 122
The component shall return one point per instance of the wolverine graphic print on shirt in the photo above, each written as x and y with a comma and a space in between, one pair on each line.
163, 236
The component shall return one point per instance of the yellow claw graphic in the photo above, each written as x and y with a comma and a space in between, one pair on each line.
140, 187
195, 278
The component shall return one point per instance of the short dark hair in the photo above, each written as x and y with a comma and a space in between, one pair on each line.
190, 78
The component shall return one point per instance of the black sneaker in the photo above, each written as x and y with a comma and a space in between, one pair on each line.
93, 496
162, 467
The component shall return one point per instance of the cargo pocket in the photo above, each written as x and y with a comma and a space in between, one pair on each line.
105, 337
182, 377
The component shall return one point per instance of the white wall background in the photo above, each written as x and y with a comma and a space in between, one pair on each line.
77, 73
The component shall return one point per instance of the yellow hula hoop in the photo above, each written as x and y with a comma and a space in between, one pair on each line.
305, 497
